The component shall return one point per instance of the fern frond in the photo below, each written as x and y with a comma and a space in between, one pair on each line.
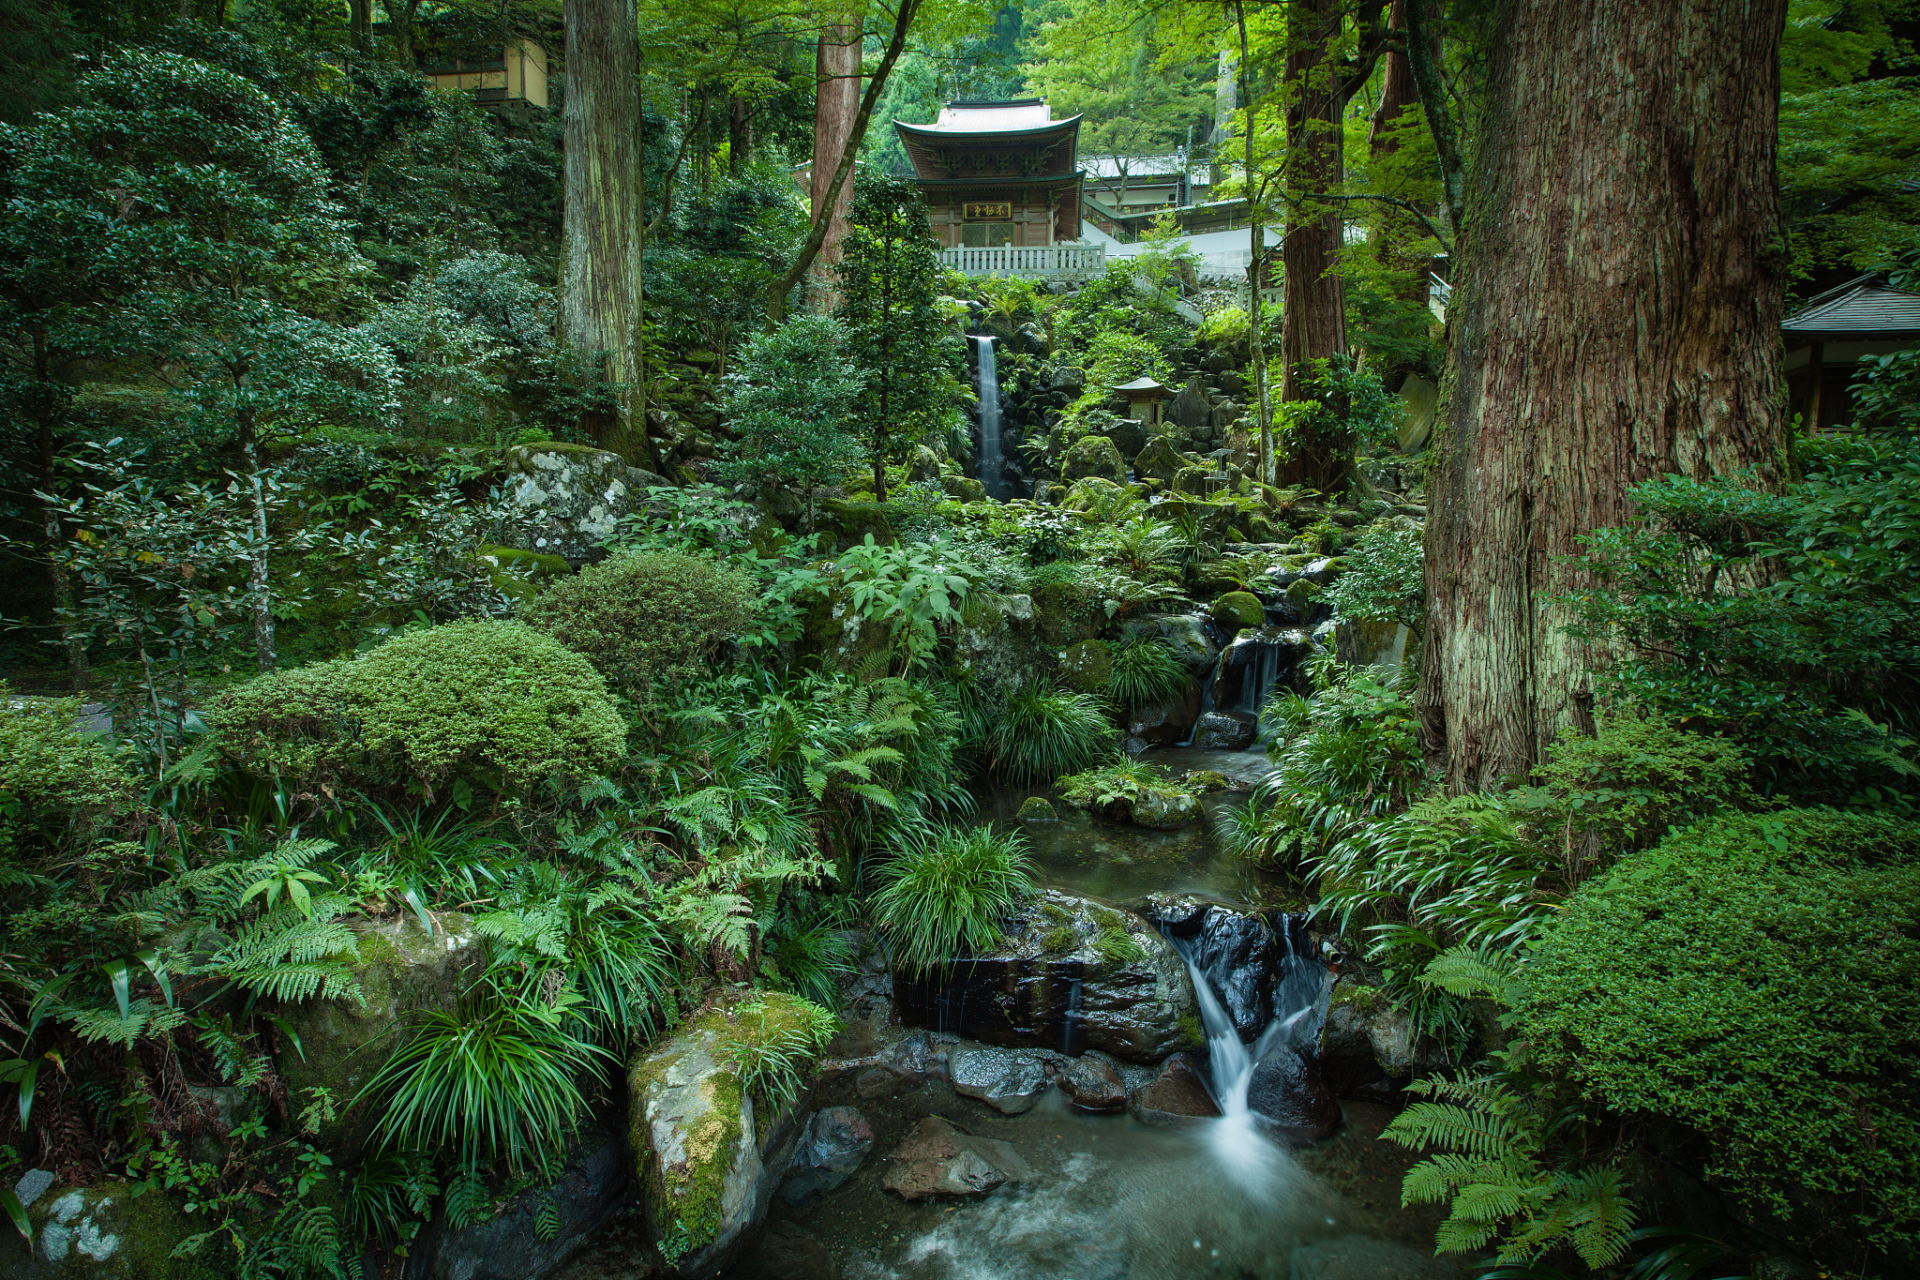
1479, 1134
1468, 973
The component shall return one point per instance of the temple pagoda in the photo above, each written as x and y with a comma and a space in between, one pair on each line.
998, 173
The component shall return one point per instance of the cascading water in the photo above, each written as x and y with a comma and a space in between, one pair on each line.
990, 469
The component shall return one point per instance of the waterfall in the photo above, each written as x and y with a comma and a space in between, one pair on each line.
988, 470
1299, 1007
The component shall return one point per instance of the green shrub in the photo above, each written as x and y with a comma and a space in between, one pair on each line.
1046, 732
58, 787
1753, 978
643, 617
496, 702
1145, 671
770, 1054
948, 893
1385, 577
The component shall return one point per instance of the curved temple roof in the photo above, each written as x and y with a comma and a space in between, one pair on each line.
1864, 307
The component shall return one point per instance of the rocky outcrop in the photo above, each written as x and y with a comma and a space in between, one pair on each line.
1005, 645
1070, 975
1163, 808
510, 1245
1367, 1047
1288, 1092
1178, 1095
570, 498
97, 1233
1168, 720
1094, 456
1223, 731
831, 1149
707, 1161
1188, 635
937, 1159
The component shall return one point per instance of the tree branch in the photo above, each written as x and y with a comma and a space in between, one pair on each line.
1395, 201
1423, 42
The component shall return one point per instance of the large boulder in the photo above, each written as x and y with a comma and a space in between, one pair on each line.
707, 1162
1005, 644
1168, 720
1187, 634
1367, 1045
511, 1245
1239, 611
569, 498
402, 970
1289, 1094
1190, 407
1008, 1080
1164, 808
937, 1159
1223, 731
1159, 460
97, 1233
1236, 951
1094, 456
1178, 1095
1070, 975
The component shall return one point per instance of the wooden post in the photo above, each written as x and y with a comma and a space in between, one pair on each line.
1816, 367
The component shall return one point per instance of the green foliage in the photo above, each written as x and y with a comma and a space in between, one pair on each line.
59, 787
646, 617
790, 397
494, 702
910, 590
1045, 732
1115, 356
1145, 671
1346, 406
947, 893
1110, 788
1784, 623
497, 1079
897, 334
1228, 324
1384, 578
1345, 757
771, 1057
1721, 979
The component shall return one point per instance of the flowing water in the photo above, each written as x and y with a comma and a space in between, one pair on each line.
990, 469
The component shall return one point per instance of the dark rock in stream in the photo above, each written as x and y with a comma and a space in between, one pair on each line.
508, 1247
1223, 731
835, 1142
1236, 951
1094, 1084
1288, 1091
1007, 1080
1050, 984
936, 1159
1178, 1095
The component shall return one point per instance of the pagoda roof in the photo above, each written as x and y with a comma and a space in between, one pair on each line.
1143, 389
1030, 116
1863, 308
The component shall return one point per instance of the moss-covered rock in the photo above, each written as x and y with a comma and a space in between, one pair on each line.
1088, 665
1003, 645
850, 520
402, 971
100, 1233
1094, 456
571, 497
1085, 494
1239, 610
1037, 809
965, 488
1207, 780
517, 571
1160, 460
1163, 808
707, 1162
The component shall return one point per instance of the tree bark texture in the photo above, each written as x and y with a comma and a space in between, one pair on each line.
1615, 316
836, 104
1313, 317
600, 294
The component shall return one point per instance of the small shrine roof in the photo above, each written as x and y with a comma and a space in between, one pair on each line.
1143, 389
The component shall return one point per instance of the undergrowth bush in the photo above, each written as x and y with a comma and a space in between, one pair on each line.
948, 893
772, 1043
643, 617
493, 703
1044, 732
1145, 671
1753, 978
58, 787
1384, 579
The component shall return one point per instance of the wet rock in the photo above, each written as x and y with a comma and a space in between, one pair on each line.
1367, 1048
1037, 809
1168, 720
1185, 634
1163, 810
707, 1159
1087, 665
1048, 985
936, 1159
917, 1056
1006, 1080
835, 1142
508, 1247
1092, 1082
878, 1082
1223, 731
1258, 664
1178, 1095
1289, 1093
1234, 950
1094, 456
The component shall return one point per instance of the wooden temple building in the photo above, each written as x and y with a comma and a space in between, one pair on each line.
998, 174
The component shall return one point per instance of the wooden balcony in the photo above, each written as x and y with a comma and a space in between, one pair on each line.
1038, 262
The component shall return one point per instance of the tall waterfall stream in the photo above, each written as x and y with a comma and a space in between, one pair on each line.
990, 468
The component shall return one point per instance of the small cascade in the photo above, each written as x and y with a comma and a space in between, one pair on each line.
1254, 667
990, 468
1206, 705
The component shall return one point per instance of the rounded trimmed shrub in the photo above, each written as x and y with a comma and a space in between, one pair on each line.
494, 701
643, 617
949, 892
58, 786
1046, 732
1753, 978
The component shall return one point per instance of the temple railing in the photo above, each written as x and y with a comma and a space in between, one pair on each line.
1038, 262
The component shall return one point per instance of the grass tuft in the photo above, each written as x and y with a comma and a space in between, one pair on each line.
948, 892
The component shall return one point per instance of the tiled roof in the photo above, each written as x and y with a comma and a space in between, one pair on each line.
1861, 307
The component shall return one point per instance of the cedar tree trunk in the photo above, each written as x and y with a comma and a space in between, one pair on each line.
600, 303
1615, 316
1313, 317
836, 104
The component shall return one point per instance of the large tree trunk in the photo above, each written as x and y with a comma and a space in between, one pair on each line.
1615, 316
836, 106
600, 304
1313, 318
739, 134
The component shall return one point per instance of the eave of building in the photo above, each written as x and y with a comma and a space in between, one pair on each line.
1003, 180
1862, 308
1022, 136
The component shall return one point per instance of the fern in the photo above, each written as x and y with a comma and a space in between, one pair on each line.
290, 958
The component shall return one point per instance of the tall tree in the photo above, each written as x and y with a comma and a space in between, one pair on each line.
1615, 316
600, 284
836, 104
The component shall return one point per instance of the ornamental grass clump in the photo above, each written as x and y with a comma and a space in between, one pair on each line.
1145, 671
948, 893
1046, 731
